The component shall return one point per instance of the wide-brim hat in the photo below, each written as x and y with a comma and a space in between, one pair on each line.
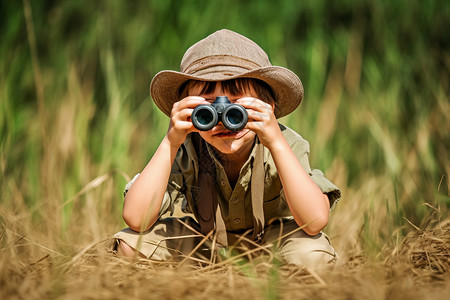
226, 55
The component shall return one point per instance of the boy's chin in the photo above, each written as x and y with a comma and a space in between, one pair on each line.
230, 143
232, 146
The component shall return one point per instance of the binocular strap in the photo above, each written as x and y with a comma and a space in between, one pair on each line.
257, 190
208, 211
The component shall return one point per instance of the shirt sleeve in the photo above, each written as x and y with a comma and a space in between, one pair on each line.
326, 186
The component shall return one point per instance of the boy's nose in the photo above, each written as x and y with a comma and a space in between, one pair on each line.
220, 125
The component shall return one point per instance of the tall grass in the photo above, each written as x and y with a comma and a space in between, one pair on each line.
76, 120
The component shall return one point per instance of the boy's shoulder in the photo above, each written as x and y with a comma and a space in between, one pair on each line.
291, 135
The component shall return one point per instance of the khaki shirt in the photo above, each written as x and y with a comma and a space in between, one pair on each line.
236, 204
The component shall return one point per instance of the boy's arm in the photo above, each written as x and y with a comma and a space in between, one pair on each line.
144, 198
309, 206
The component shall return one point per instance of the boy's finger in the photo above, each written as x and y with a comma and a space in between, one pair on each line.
190, 101
254, 103
183, 125
255, 126
184, 114
257, 115
188, 105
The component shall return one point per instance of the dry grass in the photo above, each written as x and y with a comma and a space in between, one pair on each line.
417, 269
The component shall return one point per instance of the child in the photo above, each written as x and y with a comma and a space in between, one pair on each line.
252, 185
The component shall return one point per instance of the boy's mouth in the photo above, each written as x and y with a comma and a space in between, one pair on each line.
230, 134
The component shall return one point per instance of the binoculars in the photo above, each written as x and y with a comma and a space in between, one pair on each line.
233, 116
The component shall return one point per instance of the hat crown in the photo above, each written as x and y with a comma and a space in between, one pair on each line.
226, 48
227, 55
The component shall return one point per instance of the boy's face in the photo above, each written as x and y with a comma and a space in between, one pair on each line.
222, 139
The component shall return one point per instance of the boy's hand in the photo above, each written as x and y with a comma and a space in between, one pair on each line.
180, 119
262, 121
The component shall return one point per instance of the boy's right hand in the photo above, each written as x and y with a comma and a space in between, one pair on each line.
180, 119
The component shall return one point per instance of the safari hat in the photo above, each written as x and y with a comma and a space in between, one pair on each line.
226, 55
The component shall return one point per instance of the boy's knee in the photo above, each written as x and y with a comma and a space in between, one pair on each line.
125, 250
315, 253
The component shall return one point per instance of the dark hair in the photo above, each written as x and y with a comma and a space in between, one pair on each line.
236, 86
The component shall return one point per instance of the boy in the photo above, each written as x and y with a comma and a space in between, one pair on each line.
254, 183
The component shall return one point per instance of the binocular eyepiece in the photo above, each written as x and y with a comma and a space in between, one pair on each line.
233, 116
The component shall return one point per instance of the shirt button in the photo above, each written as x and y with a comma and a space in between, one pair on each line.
222, 182
235, 200
237, 221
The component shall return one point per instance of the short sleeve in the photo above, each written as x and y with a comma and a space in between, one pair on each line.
326, 186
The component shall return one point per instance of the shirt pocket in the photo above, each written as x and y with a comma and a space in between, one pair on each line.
275, 208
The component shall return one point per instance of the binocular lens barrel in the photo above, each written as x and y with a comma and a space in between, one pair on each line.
233, 116
204, 117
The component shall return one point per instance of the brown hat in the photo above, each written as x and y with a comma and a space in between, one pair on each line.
226, 55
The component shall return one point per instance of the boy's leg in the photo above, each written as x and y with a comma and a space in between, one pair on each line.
166, 239
298, 248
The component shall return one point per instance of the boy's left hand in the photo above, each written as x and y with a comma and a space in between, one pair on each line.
262, 121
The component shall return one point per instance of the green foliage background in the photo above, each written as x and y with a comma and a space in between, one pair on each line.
76, 120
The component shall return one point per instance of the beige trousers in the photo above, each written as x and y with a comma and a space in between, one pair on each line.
173, 238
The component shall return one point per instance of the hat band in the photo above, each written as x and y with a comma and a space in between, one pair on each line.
219, 60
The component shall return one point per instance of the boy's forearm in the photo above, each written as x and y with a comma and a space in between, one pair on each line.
144, 198
307, 203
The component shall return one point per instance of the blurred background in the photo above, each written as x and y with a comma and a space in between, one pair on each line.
76, 119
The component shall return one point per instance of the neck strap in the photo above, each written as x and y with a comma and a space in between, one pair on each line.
208, 211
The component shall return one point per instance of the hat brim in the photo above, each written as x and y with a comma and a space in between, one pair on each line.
286, 86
